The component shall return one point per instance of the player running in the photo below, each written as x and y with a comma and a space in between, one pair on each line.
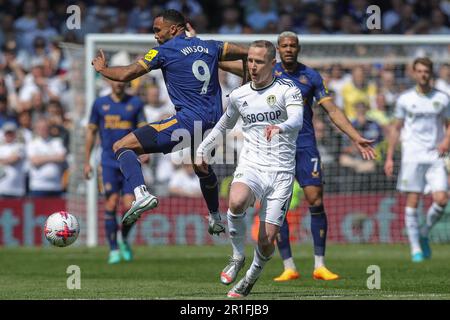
190, 69
423, 116
113, 116
272, 112
308, 170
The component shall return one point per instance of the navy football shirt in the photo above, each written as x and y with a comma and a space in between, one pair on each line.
114, 120
190, 69
312, 86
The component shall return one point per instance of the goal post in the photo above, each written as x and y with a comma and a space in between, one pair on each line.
316, 51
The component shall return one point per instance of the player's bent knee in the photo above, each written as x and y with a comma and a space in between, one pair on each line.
238, 206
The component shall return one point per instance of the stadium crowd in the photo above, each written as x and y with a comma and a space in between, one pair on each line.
36, 121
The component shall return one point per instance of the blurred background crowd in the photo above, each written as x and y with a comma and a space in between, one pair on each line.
35, 120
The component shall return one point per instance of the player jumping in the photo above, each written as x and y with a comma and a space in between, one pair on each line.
190, 69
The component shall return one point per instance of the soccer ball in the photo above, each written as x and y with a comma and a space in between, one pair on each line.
61, 229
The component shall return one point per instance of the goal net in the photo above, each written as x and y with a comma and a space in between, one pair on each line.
364, 75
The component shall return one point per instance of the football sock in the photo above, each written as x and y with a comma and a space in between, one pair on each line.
111, 229
434, 213
289, 264
319, 261
237, 230
259, 261
130, 167
283, 243
412, 228
210, 189
319, 227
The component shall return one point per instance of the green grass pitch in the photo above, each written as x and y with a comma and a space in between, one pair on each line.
192, 272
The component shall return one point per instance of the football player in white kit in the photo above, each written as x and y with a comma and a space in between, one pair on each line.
423, 116
272, 113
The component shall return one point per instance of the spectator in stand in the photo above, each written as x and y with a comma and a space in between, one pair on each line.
388, 88
25, 130
338, 78
47, 157
140, 18
57, 122
12, 163
184, 182
230, 21
5, 114
439, 22
443, 82
26, 23
156, 109
7, 30
357, 90
350, 156
259, 19
101, 14
392, 16
42, 30
188, 8
407, 20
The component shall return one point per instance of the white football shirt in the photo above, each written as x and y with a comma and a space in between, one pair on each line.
425, 117
12, 178
279, 103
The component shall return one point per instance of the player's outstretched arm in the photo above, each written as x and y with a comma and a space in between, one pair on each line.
341, 121
393, 137
232, 51
122, 73
444, 146
226, 122
89, 144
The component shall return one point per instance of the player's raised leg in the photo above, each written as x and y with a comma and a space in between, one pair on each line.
241, 197
126, 151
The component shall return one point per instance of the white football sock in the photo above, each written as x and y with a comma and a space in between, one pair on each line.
237, 231
140, 192
434, 213
259, 261
319, 261
412, 228
289, 264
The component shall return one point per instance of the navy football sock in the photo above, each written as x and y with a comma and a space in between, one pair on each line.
210, 189
130, 167
111, 229
284, 246
319, 226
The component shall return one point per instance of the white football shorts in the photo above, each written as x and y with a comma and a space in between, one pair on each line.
415, 176
273, 189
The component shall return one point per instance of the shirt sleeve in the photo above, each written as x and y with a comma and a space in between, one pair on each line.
227, 121
294, 108
320, 90
400, 110
153, 59
447, 109
94, 118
